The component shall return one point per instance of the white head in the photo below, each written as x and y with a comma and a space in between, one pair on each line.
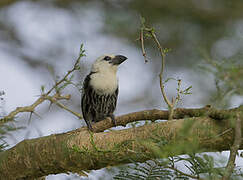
107, 62
104, 78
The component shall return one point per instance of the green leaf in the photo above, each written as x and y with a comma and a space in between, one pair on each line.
42, 89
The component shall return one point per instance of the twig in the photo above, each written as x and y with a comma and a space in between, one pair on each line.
163, 51
141, 38
45, 96
161, 70
234, 149
30, 118
170, 104
75, 67
52, 100
178, 97
142, 46
31, 108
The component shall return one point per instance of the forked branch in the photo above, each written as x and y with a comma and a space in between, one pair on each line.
46, 96
150, 32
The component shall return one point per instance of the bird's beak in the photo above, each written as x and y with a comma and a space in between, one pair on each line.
118, 59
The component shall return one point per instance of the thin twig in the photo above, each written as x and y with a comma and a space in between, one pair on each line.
30, 118
52, 100
162, 54
65, 77
31, 108
45, 96
234, 149
142, 46
170, 104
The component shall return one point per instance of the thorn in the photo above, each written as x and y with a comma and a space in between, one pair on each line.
30, 118
37, 115
49, 108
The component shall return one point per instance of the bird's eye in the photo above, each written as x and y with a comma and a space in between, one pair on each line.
107, 58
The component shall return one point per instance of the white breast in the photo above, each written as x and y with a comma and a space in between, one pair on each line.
104, 83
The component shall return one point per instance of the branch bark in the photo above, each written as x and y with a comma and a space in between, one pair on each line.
80, 149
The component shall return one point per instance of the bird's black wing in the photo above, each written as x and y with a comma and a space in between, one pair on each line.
112, 108
85, 102
114, 98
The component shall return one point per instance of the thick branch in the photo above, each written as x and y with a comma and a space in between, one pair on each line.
82, 150
155, 114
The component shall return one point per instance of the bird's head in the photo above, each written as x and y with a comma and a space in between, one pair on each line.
108, 63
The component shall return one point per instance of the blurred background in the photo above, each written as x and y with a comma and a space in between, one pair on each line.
40, 40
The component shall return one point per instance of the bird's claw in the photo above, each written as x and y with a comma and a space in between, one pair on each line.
89, 126
113, 120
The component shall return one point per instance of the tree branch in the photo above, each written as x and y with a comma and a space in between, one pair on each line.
46, 96
31, 108
234, 149
83, 150
151, 33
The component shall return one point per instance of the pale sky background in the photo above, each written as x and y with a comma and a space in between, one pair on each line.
41, 28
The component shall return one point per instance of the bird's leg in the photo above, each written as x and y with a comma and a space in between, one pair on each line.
89, 125
113, 119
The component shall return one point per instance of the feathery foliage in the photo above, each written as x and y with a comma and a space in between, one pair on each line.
228, 75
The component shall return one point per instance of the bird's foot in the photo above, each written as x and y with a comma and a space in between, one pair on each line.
90, 126
113, 119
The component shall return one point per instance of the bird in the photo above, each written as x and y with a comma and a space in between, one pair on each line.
100, 90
